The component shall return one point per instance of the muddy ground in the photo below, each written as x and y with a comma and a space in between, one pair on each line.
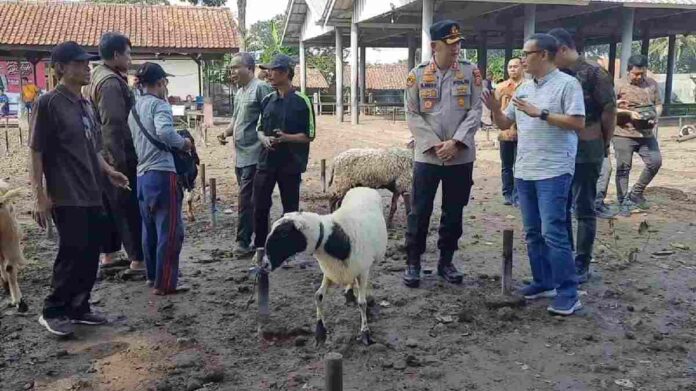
637, 331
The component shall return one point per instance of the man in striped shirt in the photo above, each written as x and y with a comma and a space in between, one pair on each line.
285, 129
548, 110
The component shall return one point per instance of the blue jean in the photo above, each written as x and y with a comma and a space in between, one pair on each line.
543, 205
160, 199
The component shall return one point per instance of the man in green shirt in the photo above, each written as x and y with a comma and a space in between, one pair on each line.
247, 108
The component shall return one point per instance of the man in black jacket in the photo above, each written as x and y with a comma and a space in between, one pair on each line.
113, 99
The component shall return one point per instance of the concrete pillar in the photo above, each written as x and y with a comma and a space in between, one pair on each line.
612, 58
670, 70
428, 9
482, 54
339, 75
508, 50
628, 15
362, 75
303, 69
354, 93
529, 20
411, 52
645, 42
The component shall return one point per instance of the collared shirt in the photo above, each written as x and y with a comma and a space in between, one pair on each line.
67, 134
543, 150
290, 114
645, 93
156, 116
247, 108
504, 91
444, 105
598, 91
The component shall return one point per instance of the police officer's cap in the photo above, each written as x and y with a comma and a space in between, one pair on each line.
446, 30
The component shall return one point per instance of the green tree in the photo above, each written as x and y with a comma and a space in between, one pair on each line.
266, 37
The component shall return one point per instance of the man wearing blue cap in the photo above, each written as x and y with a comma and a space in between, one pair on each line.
285, 129
66, 143
443, 111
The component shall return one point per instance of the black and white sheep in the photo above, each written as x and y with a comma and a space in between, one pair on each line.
390, 169
11, 256
345, 243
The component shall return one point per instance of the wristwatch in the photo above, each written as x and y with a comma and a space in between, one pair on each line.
544, 115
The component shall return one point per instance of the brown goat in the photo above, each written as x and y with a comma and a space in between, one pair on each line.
11, 256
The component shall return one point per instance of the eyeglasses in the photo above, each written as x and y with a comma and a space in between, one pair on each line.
526, 53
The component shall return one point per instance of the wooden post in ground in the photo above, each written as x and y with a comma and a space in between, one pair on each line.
213, 200
203, 182
333, 367
506, 270
323, 175
21, 137
263, 285
49, 227
7, 136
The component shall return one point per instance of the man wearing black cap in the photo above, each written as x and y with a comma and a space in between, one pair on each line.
160, 196
285, 128
443, 111
65, 143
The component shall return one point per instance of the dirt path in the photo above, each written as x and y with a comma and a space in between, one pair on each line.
637, 331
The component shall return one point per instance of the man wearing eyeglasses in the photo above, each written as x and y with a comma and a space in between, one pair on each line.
444, 112
548, 111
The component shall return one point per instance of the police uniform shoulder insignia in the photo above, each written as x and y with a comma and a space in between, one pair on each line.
411, 80
477, 77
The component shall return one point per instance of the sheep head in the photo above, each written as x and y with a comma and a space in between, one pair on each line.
286, 239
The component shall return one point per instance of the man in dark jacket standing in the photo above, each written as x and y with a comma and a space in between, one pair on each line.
113, 99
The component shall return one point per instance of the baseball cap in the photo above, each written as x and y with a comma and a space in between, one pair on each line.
150, 72
71, 51
446, 30
280, 61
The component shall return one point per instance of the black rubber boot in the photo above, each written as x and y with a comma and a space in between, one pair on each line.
446, 269
412, 274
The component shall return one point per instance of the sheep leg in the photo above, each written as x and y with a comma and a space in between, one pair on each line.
15, 293
320, 331
392, 209
361, 284
407, 202
350, 295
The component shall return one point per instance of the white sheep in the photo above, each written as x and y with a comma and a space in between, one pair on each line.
390, 169
11, 256
345, 243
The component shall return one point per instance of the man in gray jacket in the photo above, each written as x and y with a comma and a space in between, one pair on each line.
247, 109
443, 111
113, 99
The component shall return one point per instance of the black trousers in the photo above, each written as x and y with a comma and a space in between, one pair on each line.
245, 203
264, 183
112, 238
456, 188
80, 231
508, 153
124, 211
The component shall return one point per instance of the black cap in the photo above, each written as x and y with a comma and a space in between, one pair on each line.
446, 30
280, 61
71, 51
150, 72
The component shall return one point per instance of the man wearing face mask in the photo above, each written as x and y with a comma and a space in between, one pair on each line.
159, 193
245, 116
443, 112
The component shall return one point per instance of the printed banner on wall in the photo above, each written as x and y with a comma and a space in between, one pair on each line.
11, 72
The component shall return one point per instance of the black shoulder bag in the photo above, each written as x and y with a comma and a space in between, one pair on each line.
184, 162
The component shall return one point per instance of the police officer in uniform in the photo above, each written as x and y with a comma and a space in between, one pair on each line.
444, 112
